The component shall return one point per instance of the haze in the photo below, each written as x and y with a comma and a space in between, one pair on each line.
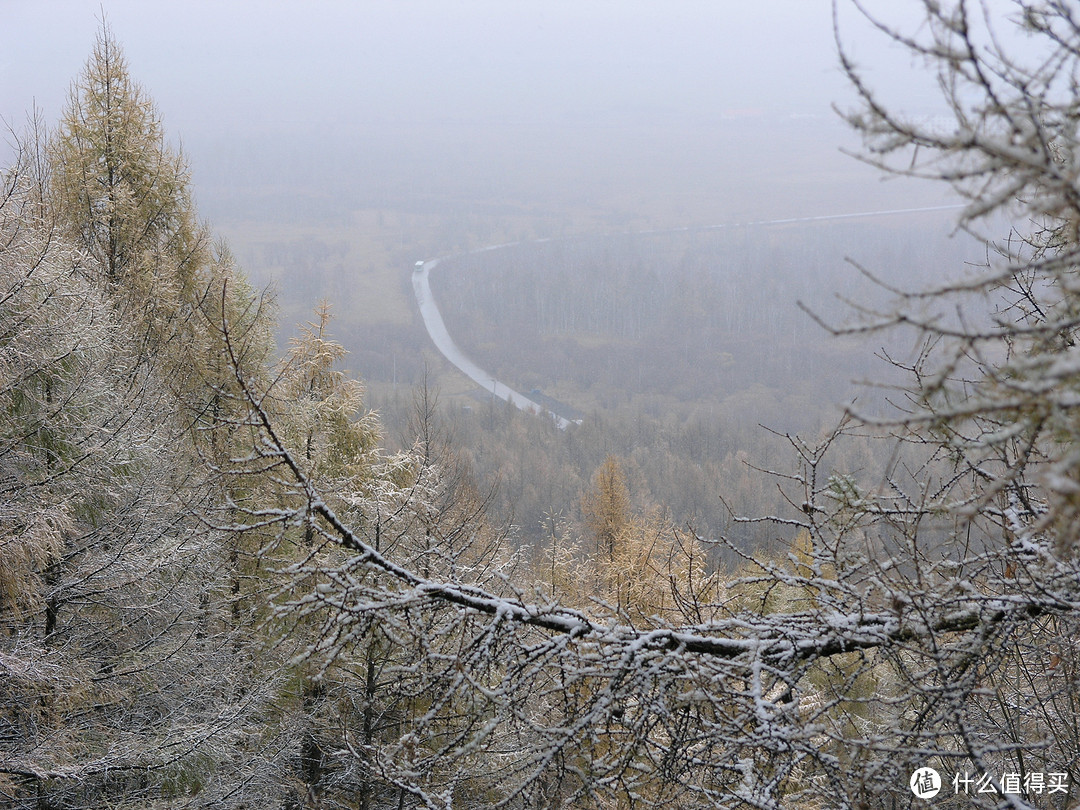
335, 144
670, 113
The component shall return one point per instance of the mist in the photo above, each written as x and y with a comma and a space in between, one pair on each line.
335, 144
681, 113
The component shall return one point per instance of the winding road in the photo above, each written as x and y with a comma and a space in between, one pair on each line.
436, 328
442, 340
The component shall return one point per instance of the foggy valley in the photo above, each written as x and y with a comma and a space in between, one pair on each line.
804, 307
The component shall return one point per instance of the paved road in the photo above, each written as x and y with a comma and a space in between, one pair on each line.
445, 344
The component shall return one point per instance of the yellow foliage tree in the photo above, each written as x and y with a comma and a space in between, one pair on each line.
120, 193
605, 507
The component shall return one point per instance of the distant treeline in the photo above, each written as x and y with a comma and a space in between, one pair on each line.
678, 347
696, 314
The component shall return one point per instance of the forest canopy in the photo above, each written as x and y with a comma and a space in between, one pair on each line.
218, 589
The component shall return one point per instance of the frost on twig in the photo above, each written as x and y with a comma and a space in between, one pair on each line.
845, 647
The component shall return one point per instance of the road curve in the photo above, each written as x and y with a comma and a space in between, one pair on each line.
445, 344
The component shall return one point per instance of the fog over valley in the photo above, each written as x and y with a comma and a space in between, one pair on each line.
539, 405
686, 113
334, 147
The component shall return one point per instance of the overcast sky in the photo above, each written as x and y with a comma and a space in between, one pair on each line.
388, 58
215, 60
408, 71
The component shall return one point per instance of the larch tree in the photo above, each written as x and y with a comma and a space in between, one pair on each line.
123, 193
642, 568
327, 423
122, 685
926, 617
125, 684
605, 507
